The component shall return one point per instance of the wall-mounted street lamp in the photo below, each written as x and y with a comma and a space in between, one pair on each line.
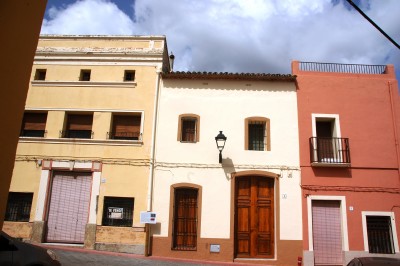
220, 140
171, 62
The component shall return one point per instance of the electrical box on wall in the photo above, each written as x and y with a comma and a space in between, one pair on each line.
148, 218
215, 248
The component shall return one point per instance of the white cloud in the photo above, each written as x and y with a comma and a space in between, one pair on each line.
245, 36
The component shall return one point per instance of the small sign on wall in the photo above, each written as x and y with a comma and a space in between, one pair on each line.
148, 218
215, 248
115, 213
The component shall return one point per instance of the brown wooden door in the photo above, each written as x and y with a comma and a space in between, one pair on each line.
254, 217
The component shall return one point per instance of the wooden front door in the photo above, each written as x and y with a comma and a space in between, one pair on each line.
254, 217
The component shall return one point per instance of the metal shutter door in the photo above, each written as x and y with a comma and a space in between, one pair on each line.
327, 233
69, 207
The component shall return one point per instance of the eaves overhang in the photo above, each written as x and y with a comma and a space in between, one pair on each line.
229, 76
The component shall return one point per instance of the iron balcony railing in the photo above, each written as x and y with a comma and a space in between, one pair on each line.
33, 133
329, 150
124, 135
342, 68
78, 134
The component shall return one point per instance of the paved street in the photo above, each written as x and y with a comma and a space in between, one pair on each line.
73, 257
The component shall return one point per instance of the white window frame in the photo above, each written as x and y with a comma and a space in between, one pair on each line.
375, 213
342, 199
321, 117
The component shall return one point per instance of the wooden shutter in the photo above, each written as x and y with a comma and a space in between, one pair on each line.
189, 130
34, 121
126, 125
80, 122
185, 219
327, 233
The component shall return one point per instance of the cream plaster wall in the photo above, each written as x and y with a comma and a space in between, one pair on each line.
224, 105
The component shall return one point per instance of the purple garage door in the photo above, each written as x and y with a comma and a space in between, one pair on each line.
69, 207
327, 232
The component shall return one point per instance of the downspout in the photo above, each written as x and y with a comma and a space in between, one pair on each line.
396, 141
147, 247
153, 143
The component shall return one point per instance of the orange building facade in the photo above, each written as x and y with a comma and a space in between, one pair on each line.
349, 125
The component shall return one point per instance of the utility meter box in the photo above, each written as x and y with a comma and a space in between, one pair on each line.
148, 218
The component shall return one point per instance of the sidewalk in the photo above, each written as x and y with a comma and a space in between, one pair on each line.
113, 257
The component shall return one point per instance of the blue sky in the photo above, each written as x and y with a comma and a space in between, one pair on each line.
260, 36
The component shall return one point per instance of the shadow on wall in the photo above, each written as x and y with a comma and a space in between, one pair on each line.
227, 165
332, 172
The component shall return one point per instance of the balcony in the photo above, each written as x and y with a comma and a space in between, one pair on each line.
78, 134
33, 133
329, 152
124, 135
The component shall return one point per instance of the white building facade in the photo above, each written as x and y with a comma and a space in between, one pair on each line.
247, 208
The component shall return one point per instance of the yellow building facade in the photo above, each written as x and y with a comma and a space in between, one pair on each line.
85, 152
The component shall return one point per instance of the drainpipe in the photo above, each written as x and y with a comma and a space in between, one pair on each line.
396, 141
153, 143
152, 161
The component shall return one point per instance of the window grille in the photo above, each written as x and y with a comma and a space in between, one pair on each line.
188, 130
185, 219
18, 207
118, 211
256, 135
380, 238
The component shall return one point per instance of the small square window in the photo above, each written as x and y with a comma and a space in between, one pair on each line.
40, 74
18, 207
85, 75
118, 211
188, 128
257, 134
129, 75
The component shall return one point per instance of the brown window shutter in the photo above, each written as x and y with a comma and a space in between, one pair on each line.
34, 121
80, 122
189, 130
124, 125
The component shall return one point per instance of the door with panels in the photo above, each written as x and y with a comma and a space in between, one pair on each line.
254, 217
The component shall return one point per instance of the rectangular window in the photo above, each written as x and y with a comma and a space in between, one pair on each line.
129, 75
256, 135
380, 238
40, 74
126, 127
118, 211
18, 207
188, 130
85, 75
33, 125
78, 126
185, 219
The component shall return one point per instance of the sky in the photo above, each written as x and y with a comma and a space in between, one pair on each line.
245, 36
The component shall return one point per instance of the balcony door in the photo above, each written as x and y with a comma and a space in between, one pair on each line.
254, 217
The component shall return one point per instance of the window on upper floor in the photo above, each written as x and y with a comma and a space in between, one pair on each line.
125, 127
78, 126
85, 75
33, 124
40, 74
189, 128
129, 75
257, 134
380, 234
326, 145
18, 207
118, 211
